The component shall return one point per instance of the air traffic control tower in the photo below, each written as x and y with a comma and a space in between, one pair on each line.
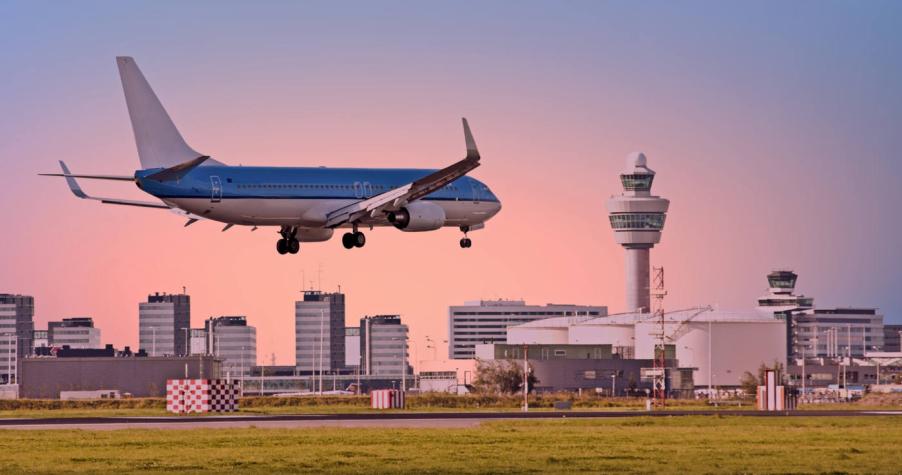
637, 218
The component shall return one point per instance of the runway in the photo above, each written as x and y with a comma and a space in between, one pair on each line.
382, 420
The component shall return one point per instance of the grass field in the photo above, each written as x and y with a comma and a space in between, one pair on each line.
694, 444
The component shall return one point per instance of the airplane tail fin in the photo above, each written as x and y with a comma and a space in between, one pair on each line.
160, 145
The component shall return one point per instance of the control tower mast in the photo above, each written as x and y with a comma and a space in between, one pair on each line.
637, 219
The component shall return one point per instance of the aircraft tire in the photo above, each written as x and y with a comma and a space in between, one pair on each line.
294, 246
359, 239
347, 240
282, 246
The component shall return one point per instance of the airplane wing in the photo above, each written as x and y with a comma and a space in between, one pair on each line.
77, 191
398, 197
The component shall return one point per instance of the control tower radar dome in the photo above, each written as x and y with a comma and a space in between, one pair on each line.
637, 219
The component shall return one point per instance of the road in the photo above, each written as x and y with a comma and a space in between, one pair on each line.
373, 419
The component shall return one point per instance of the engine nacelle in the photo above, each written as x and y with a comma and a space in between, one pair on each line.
418, 216
314, 235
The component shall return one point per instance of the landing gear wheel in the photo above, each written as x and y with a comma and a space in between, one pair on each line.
282, 246
359, 239
294, 246
348, 240
465, 243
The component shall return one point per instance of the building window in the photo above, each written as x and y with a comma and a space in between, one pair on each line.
560, 352
589, 374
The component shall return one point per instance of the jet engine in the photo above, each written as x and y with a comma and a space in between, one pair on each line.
314, 235
418, 216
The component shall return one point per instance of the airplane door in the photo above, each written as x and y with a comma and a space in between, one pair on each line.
475, 188
215, 189
358, 190
367, 189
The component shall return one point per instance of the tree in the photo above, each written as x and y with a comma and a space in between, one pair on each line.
750, 382
500, 377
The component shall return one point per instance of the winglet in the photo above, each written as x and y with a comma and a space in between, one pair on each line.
472, 151
73, 185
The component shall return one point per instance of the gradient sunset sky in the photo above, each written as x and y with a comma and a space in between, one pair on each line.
774, 128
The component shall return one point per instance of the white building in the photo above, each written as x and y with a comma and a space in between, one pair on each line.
235, 342
637, 218
198, 343
76, 332
487, 321
721, 345
352, 347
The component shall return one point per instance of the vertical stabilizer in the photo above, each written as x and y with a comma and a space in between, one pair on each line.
159, 143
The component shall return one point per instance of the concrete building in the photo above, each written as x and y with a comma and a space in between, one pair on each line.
162, 321
892, 334
719, 345
319, 329
487, 321
637, 219
352, 347
46, 377
16, 333
76, 332
383, 346
234, 342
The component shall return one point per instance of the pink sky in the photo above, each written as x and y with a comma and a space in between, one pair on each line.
774, 151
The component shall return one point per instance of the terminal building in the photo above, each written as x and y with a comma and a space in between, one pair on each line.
487, 321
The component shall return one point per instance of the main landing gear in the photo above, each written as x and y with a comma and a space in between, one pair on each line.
289, 244
465, 242
353, 239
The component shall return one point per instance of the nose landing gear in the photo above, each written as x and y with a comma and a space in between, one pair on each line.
465, 242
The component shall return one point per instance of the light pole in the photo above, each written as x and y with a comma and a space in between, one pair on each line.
525, 378
187, 341
614, 384
322, 318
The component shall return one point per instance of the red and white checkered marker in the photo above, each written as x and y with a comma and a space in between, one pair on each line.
201, 395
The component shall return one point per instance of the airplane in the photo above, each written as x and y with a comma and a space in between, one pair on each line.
306, 204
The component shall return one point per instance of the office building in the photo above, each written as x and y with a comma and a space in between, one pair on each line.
352, 347
892, 334
198, 342
234, 342
319, 328
162, 324
77, 332
16, 333
837, 332
486, 321
383, 346
637, 219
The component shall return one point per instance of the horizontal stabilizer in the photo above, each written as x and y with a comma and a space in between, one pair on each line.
93, 177
77, 191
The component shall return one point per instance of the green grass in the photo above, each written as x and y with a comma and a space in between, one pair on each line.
692, 444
